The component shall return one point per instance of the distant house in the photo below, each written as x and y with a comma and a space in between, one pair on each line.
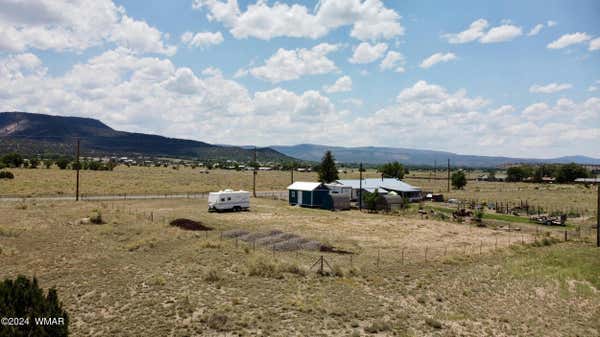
383, 186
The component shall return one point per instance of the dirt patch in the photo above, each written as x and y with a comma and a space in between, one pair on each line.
190, 225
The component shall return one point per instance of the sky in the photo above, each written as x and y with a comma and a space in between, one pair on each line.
514, 78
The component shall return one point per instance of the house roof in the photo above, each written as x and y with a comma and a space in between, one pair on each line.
304, 186
391, 184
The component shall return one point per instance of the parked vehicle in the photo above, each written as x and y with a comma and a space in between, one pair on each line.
229, 200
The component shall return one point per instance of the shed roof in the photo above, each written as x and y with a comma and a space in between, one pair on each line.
392, 184
304, 186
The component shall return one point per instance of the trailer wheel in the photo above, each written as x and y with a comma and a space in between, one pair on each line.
236, 208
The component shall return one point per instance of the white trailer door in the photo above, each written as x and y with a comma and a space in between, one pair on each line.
299, 197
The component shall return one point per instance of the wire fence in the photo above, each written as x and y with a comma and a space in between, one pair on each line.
276, 195
374, 258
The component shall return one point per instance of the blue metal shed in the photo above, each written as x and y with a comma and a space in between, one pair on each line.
308, 194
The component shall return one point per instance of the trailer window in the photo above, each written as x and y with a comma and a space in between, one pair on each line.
293, 194
228, 198
222, 199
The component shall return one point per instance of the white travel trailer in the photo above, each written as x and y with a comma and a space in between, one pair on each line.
229, 200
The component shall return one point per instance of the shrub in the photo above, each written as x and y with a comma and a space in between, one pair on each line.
6, 175
23, 298
12, 160
459, 180
217, 321
433, 323
96, 217
212, 276
378, 326
62, 163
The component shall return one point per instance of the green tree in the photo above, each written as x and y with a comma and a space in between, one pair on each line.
48, 163
62, 163
518, 173
327, 170
570, 172
24, 298
33, 163
12, 160
392, 170
459, 180
370, 199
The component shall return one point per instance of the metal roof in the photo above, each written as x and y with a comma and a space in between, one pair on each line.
304, 186
391, 184
587, 180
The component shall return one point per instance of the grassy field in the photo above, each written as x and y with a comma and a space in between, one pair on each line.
160, 180
554, 197
135, 275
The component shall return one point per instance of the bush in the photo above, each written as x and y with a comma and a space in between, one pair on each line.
23, 298
459, 180
212, 276
12, 160
96, 217
6, 175
217, 321
62, 163
378, 326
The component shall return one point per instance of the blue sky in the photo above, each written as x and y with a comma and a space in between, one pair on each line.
504, 78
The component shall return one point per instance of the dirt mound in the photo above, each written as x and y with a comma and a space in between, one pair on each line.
190, 225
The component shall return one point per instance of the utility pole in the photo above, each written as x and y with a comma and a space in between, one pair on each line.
598, 216
448, 175
435, 169
77, 167
254, 173
360, 169
292, 172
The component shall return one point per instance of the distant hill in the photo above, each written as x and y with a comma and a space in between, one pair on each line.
30, 133
379, 155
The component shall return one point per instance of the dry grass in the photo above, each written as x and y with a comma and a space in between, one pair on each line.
131, 276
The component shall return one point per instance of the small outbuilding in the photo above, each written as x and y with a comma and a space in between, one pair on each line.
307, 194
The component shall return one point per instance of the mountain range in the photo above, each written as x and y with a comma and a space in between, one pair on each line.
30, 133
415, 157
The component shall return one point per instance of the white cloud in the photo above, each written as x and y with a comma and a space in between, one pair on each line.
343, 84
357, 102
477, 32
370, 19
565, 111
367, 53
140, 37
550, 88
551, 23
594, 44
437, 58
536, 30
501, 34
429, 114
393, 60
202, 39
474, 32
147, 94
287, 65
568, 40
75, 26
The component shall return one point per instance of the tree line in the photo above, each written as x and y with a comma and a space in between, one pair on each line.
562, 173
15, 160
